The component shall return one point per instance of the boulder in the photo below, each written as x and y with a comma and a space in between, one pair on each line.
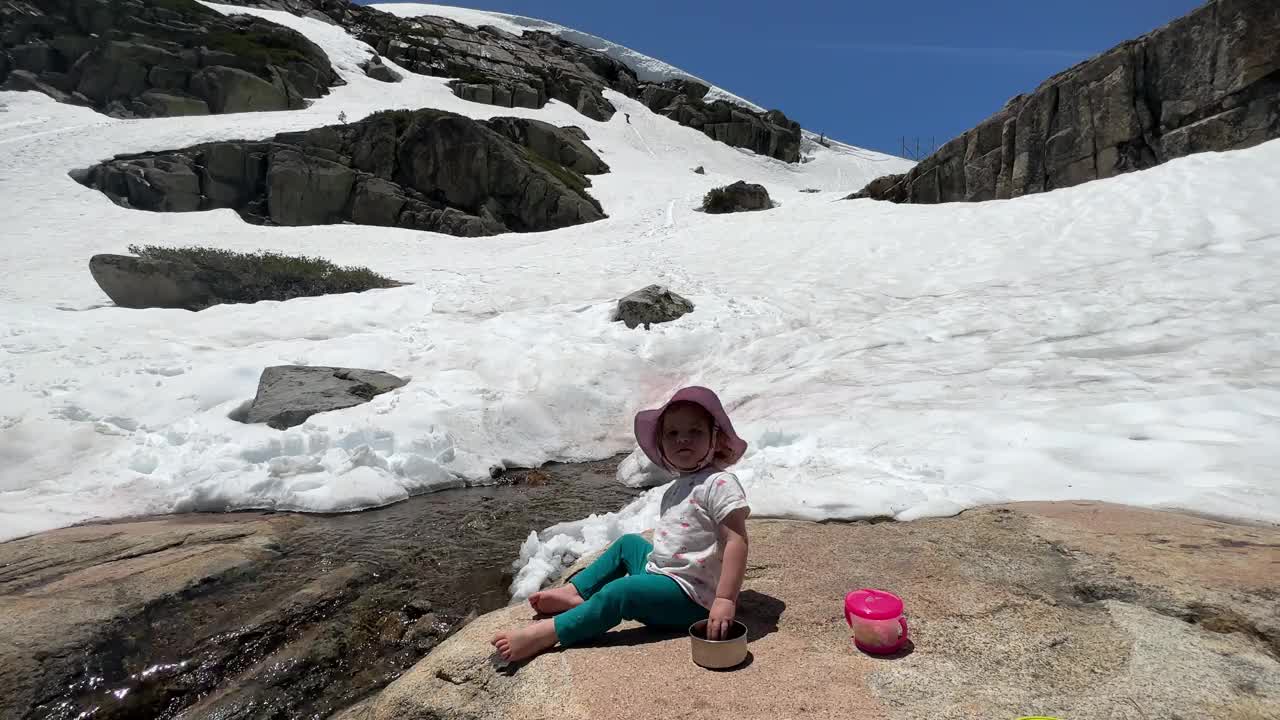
36, 58
471, 167
524, 95
1204, 82
229, 90
163, 183
425, 170
374, 68
289, 394
649, 305
24, 80
738, 197
168, 105
559, 145
474, 92
377, 202
231, 173
303, 189
1070, 610
134, 282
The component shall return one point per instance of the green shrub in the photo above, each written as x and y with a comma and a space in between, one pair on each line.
266, 48
727, 199
719, 200
571, 179
252, 277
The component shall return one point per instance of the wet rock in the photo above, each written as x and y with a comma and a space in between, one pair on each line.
649, 305
738, 197
1205, 82
77, 583
289, 394
250, 615
1000, 625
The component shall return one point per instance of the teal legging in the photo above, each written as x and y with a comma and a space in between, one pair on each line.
616, 588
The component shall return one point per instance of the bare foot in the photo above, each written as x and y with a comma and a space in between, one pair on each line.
557, 600
516, 645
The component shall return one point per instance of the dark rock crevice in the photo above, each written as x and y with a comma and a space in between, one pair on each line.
425, 170
1209, 81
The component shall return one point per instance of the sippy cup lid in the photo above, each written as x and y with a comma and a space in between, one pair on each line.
873, 604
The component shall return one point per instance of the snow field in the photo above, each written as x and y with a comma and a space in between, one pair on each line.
1115, 341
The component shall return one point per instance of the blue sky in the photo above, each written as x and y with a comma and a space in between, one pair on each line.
864, 72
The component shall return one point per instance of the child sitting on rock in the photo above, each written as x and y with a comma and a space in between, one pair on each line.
693, 570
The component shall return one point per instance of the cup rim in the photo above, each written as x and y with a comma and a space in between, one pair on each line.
736, 638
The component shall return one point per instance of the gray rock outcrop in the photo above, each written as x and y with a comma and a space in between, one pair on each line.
770, 133
494, 67
563, 146
289, 394
143, 58
741, 196
1209, 81
195, 280
135, 282
425, 170
651, 305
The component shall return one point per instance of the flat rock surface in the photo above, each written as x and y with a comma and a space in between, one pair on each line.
262, 615
1074, 610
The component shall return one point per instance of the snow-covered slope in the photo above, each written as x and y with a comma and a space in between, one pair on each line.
1114, 341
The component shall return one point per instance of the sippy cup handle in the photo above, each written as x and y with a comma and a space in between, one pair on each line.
906, 633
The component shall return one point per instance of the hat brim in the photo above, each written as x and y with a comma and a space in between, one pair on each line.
647, 428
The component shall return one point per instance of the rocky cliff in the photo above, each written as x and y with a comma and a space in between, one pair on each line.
146, 58
1209, 81
424, 170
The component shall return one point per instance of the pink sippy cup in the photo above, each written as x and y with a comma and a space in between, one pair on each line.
875, 616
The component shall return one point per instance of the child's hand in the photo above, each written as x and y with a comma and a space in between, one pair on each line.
722, 612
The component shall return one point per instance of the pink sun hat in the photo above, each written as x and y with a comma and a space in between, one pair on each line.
647, 427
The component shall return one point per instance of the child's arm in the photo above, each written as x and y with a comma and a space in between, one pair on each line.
733, 536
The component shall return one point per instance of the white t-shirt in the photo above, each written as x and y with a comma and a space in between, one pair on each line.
685, 541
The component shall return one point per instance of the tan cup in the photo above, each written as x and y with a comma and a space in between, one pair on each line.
718, 654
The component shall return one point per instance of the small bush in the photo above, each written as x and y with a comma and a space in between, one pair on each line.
253, 277
266, 48
570, 178
718, 200
736, 198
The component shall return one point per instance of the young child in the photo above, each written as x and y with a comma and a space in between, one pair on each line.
693, 570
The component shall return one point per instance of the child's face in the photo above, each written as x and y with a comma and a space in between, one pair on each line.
686, 436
